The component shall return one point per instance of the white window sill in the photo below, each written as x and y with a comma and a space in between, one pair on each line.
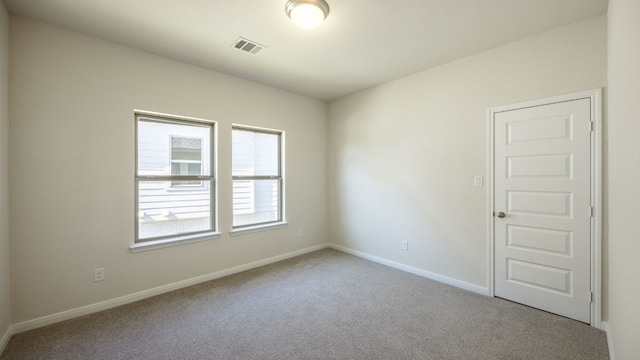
252, 229
178, 240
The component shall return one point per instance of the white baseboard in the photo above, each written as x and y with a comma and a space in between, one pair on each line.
433, 276
604, 325
4, 340
108, 304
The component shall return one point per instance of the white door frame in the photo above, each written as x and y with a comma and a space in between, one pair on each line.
595, 95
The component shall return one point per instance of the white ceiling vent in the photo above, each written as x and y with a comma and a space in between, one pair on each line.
248, 46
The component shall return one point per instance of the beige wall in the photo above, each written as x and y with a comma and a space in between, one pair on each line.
403, 155
72, 166
5, 282
624, 177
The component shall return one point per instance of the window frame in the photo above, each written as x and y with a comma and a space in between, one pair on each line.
281, 221
189, 237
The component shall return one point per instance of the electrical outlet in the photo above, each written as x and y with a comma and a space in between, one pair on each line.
299, 233
477, 181
98, 274
405, 245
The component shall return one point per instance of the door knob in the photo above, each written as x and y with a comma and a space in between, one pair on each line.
501, 215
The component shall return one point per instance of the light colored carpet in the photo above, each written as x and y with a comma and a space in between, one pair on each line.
323, 305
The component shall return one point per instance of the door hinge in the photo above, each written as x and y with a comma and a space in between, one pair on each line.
591, 126
592, 211
590, 296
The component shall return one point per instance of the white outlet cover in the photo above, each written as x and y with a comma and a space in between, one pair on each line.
477, 181
98, 274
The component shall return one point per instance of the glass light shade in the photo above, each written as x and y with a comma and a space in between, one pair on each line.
307, 14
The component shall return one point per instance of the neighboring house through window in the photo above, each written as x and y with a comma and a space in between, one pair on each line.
186, 159
257, 176
174, 178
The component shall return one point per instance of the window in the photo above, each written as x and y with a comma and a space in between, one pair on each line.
186, 159
257, 177
174, 182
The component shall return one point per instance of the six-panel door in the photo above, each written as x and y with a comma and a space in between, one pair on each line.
542, 184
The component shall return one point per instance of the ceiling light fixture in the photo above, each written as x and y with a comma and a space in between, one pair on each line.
307, 14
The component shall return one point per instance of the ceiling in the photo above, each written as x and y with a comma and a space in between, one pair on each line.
362, 43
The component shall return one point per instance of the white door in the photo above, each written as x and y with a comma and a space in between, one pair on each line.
542, 202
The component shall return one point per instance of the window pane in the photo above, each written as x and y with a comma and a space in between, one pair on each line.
255, 201
161, 144
255, 153
192, 169
162, 213
185, 148
243, 197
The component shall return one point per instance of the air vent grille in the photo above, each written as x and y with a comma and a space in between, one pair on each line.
248, 46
